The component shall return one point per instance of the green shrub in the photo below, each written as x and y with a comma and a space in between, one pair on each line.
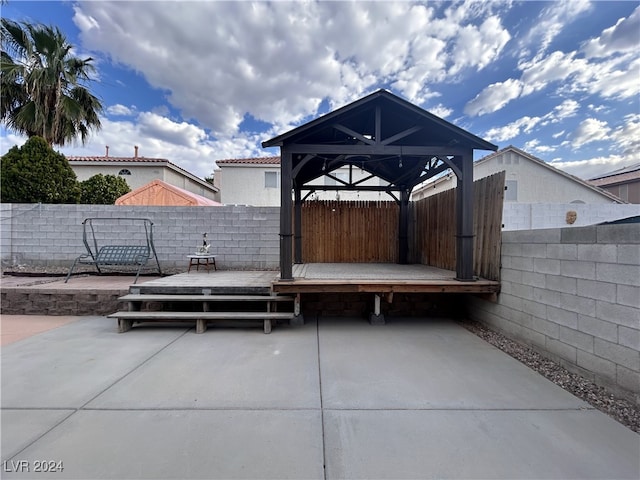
103, 189
35, 173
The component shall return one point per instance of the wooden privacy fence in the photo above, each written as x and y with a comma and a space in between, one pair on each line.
349, 232
367, 232
435, 228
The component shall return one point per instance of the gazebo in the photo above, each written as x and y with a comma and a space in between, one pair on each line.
389, 138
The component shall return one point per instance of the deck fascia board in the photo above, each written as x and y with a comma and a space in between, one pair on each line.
378, 286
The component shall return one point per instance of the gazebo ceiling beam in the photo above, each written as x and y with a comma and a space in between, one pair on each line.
431, 173
354, 134
401, 135
301, 164
364, 188
431, 150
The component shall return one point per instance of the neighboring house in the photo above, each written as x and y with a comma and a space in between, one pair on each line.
625, 183
539, 195
528, 180
256, 181
139, 171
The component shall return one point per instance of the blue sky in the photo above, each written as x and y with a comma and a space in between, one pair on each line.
200, 81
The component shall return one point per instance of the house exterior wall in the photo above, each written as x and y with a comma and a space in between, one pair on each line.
245, 185
572, 294
627, 191
535, 183
139, 175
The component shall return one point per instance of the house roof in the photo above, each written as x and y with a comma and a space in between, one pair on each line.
622, 175
382, 134
138, 161
158, 192
541, 163
356, 116
250, 161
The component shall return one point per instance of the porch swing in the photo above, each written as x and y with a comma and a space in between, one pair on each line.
96, 235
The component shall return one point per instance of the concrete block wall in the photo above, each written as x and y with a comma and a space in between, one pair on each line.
531, 216
574, 295
242, 237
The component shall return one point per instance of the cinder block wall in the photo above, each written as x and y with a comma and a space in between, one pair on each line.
574, 295
242, 237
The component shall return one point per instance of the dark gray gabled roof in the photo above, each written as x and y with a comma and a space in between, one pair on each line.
382, 134
398, 115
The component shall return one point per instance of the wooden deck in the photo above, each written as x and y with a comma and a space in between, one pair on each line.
319, 278
378, 278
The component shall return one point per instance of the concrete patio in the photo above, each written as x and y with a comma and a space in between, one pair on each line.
336, 398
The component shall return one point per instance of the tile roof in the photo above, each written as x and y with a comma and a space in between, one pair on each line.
250, 161
629, 172
117, 159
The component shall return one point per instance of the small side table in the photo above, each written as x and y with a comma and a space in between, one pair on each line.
197, 261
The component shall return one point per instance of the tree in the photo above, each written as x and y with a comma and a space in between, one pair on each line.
35, 173
43, 85
103, 189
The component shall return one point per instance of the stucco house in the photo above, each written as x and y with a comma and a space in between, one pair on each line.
539, 195
256, 181
139, 171
528, 180
625, 183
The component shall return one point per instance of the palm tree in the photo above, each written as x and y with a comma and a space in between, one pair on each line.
43, 85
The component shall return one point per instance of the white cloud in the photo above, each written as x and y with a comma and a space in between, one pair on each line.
592, 167
479, 46
440, 111
626, 137
551, 21
566, 109
540, 72
526, 124
624, 150
535, 146
589, 130
120, 110
238, 57
513, 129
624, 36
161, 128
494, 97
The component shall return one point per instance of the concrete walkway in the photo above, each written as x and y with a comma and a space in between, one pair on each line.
335, 399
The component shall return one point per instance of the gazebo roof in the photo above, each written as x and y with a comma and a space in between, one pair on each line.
381, 133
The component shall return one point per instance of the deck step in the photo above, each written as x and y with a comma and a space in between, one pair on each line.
204, 298
126, 319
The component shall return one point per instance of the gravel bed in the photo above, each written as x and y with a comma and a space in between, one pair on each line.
620, 409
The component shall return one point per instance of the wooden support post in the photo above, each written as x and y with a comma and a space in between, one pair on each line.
376, 318
201, 325
124, 325
298, 318
464, 218
286, 215
403, 230
297, 225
